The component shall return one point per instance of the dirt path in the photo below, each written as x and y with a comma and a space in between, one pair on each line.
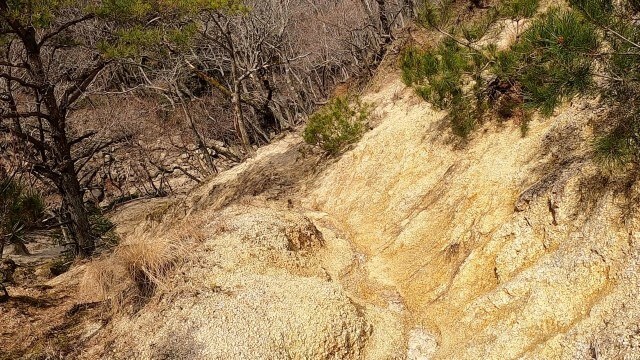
44, 318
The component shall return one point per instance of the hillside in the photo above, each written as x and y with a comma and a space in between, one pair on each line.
506, 248
409, 245
510, 241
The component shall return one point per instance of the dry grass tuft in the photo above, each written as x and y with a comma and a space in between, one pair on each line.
148, 262
140, 266
105, 280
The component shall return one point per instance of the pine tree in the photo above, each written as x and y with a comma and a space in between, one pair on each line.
51, 53
619, 143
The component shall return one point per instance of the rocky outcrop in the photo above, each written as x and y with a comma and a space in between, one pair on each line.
253, 288
503, 247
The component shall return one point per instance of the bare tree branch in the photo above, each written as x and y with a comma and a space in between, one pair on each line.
65, 26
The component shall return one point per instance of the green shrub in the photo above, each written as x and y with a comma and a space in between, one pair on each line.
597, 11
519, 9
618, 143
436, 13
337, 124
462, 117
20, 210
102, 228
414, 65
437, 74
552, 61
450, 77
555, 57
506, 64
614, 149
477, 29
634, 5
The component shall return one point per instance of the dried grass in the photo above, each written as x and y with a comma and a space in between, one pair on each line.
140, 266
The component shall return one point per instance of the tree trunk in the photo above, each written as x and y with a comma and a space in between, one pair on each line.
4, 295
411, 8
236, 98
238, 119
211, 167
372, 18
61, 168
385, 25
80, 226
68, 185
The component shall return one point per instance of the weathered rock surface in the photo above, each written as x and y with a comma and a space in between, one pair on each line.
504, 247
252, 289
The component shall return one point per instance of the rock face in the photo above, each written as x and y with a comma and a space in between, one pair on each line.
270, 229
252, 290
504, 247
262, 317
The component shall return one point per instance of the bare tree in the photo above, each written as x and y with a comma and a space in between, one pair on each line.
50, 55
281, 58
242, 50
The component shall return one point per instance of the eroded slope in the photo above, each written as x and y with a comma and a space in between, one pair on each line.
505, 247
413, 244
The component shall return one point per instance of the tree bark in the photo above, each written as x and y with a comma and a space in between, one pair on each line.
211, 167
411, 8
385, 25
238, 120
80, 225
372, 18
63, 173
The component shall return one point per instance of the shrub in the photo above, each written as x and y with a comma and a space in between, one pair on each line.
519, 9
437, 73
551, 62
128, 277
141, 265
416, 65
101, 227
337, 124
476, 30
20, 210
614, 149
618, 143
462, 117
436, 13
450, 77
555, 57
